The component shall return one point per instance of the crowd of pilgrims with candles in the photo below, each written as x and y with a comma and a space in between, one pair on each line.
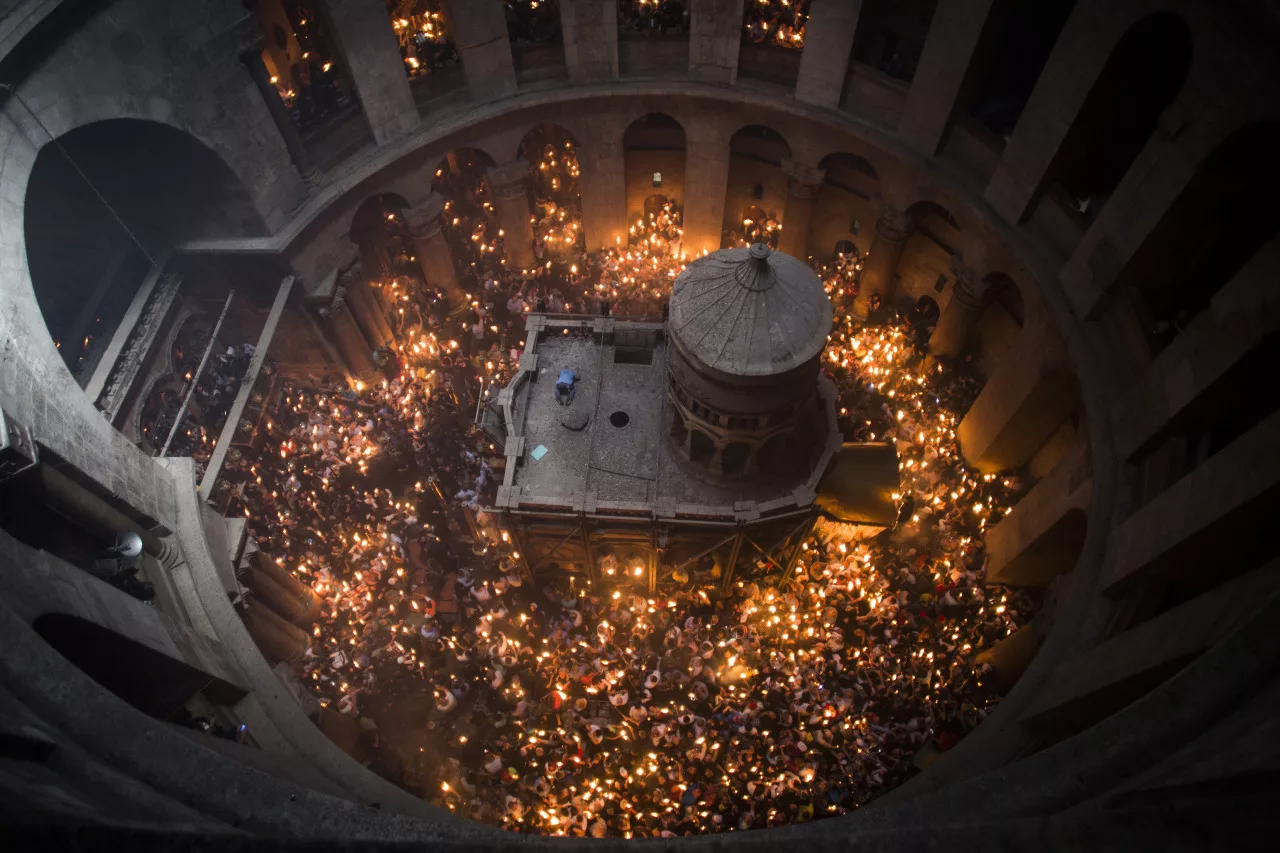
559, 707
776, 22
207, 390
653, 17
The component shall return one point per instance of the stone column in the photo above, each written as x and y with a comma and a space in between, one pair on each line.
1079, 54
828, 41
880, 269
1010, 657
951, 336
1182, 531
364, 305
342, 329
252, 57
1241, 318
1021, 405
426, 223
479, 29
590, 29
706, 179
948, 52
289, 607
1042, 537
715, 34
262, 562
716, 464
803, 183
603, 183
276, 638
1096, 683
254, 148
363, 33
510, 183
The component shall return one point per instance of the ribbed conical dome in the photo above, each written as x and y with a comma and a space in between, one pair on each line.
750, 311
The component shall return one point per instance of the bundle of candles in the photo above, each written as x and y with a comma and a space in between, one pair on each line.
565, 708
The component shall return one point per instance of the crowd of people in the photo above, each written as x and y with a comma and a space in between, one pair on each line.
209, 403
530, 21
550, 707
776, 22
758, 226
312, 89
653, 17
425, 44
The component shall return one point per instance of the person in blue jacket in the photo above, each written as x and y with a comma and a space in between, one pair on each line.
566, 386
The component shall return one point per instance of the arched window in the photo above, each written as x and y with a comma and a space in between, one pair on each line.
701, 447
164, 184
734, 459
653, 145
1218, 222
1144, 74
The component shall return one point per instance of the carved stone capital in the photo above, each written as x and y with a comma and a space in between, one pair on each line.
893, 224
427, 219
963, 274
802, 181
509, 180
968, 291
338, 305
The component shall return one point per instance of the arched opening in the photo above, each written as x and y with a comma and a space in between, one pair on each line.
999, 324
701, 447
470, 221
427, 47
926, 256
536, 41
1211, 230
772, 38
757, 187
552, 153
735, 457
653, 38
379, 229
1014, 49
152, 682
164, 185
1143, 75
891, 36
774, 457
653, 145
845, 209
310, 77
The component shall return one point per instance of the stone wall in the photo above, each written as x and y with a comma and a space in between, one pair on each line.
178, 64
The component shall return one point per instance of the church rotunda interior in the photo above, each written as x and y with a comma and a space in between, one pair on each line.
473, 422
